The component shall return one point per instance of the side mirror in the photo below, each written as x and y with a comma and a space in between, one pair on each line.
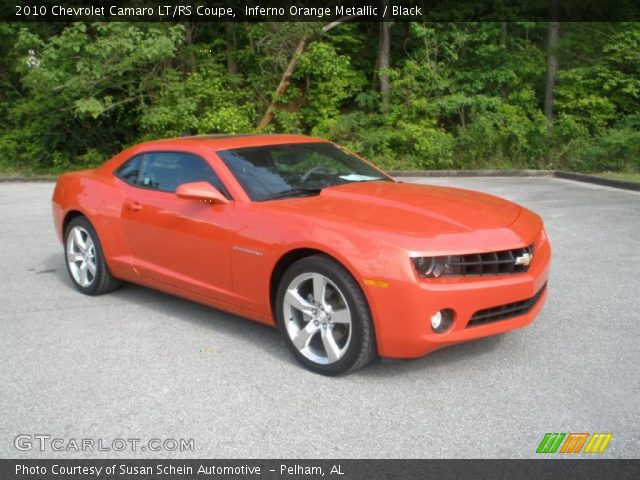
202, 191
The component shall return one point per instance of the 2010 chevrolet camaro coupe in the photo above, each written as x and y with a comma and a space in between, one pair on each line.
298, 233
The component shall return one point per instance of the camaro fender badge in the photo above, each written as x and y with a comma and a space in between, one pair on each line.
248, 250
524, 259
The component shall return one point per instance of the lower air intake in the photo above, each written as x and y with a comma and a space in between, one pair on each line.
504, 312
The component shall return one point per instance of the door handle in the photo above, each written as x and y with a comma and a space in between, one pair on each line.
134, 206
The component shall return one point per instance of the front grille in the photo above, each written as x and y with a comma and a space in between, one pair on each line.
505, 312
491, 263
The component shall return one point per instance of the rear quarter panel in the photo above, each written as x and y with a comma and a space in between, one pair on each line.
98, 198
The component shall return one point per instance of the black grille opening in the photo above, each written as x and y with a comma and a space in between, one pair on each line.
504, 262
504, 312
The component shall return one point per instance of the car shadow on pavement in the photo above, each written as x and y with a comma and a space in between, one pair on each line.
164, 304
384, 368
264, 336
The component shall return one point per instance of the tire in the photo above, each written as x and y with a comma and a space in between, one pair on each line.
85, 261
332, 335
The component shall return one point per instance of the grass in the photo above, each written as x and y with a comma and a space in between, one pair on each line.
627, 177
12, 172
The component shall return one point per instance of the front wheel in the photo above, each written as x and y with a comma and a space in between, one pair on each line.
324, 317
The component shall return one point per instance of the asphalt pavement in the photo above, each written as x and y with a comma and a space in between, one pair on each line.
139, 364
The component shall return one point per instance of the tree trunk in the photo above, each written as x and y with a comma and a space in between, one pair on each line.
291, 67
230, 34
188, 62
552, 61
383, 62
504, 89
284, 83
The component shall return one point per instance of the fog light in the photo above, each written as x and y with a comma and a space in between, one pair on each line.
442, 320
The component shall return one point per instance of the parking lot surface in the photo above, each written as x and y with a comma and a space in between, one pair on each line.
139, 364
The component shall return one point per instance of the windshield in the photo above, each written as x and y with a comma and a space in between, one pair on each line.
280, 171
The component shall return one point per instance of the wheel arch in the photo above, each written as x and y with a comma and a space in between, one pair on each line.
292, 256
69, 216
102, 231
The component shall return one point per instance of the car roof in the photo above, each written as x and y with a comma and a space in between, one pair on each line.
225, 142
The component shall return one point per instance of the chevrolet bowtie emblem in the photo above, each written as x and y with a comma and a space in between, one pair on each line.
524, 259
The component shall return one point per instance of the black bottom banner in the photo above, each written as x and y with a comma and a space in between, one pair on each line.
316, 469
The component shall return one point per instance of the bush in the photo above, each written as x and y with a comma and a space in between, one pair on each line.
463, 94
506, 138
613, 151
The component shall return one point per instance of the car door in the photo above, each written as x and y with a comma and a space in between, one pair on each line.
180, 242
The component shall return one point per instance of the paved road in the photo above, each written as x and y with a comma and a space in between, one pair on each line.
141, 364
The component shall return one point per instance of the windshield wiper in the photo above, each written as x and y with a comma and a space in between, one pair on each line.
293, 192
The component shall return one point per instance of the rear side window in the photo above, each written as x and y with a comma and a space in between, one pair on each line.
130, 170
166, 171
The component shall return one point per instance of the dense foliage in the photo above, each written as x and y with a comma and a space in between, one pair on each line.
463, 95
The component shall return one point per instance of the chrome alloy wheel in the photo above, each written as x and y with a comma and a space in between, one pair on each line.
317, 318
81, 256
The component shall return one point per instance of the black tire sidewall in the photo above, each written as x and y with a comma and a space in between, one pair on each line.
359, 311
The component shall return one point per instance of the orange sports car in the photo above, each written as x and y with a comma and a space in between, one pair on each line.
298, 233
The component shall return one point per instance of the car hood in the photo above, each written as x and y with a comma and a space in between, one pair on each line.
404, 208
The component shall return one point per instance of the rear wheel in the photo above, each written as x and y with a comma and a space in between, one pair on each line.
324, 317
85, 260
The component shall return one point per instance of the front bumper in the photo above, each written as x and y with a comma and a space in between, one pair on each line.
403, 311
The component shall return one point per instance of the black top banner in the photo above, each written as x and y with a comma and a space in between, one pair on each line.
319, 469
317, 10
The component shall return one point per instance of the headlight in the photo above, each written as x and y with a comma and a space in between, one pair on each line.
430, 267
434, 267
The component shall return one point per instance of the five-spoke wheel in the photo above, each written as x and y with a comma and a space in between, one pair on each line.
317, 318
81, 256
324, 316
